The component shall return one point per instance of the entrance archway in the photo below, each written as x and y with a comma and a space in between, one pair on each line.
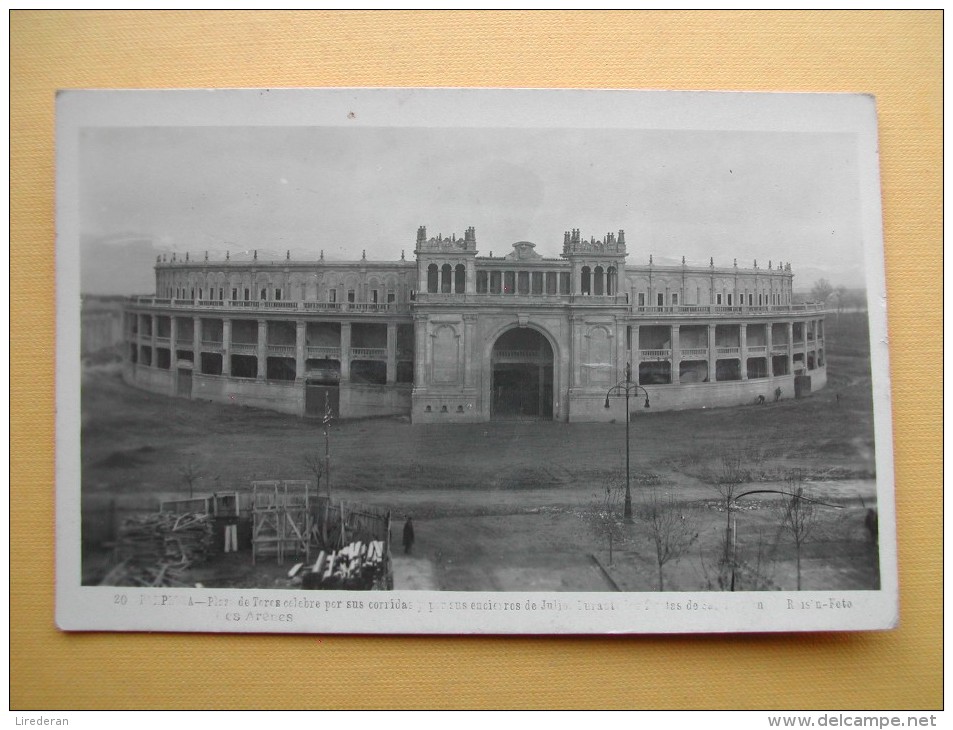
522, 375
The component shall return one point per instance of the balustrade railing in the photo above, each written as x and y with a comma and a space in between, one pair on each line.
368, 353
654, 354
728, 350
757, 349
318, 352
688, 352
282, 350
243, 348
520, 355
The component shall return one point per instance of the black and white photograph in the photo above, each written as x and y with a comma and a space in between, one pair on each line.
471, 361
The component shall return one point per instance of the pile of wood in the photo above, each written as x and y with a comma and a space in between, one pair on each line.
157, 549
360, 566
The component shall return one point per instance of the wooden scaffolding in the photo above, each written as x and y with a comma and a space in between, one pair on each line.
282, 519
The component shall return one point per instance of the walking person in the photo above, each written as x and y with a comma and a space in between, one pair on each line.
408, 534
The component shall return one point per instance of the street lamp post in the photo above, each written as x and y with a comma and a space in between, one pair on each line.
627, 388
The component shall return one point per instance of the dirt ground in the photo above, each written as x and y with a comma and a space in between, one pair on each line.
522, 505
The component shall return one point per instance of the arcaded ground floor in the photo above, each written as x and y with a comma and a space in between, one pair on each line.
515, 503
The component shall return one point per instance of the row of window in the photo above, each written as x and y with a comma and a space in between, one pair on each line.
275, 295
730, 300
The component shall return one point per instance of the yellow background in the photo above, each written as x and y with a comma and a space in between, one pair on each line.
895, 55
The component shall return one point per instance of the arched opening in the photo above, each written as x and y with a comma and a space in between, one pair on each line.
586, 281
522, 381
432, 276
611, 285
446, 274
460, 279
598, 288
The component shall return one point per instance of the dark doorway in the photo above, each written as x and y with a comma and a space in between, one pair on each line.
184, 386
522, 383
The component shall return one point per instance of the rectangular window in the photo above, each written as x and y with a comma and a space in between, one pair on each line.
628, 337
264, 295
221, 294
522, 282
234, 294
247, 294
277, 295
750, 299
661, 299
641, 299
674, 300
564, 282
332, 295
373, 296
537, 282
729, 300
482, 282
496, 282
718, 300
350, 295
391, 297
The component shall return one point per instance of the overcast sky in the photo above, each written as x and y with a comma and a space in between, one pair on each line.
751, 195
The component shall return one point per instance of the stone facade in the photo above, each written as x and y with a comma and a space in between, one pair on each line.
454, 336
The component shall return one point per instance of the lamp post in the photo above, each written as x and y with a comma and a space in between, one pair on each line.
627, 389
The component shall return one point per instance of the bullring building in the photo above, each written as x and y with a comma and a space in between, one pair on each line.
454, 336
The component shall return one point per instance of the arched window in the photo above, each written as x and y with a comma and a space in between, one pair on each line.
432, 277
611, 280
598, 283
446, 274
586, 282
460, 279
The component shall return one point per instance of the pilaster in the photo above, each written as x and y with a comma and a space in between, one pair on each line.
345, 352
262, 350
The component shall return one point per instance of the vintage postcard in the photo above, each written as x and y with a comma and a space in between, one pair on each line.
471, 361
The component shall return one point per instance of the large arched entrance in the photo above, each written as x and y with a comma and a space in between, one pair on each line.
522, 380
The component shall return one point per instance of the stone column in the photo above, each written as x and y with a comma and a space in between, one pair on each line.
196, 344
712, 355
262, 350
769, 360
345, 352
173, 336
676, 354
155, 334
804, 331
468, 322
299, 349
575, 324
743, 350
391, 353
791, 348
227, 347
420, 351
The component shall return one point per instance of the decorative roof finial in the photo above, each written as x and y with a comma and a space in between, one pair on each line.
736, 263
322, 254
402, 254
256, 254
186, 255
650, 259
288, 255
363, 254
683, 260
756, 263
173, 255
206, 255
228, 256
711, 261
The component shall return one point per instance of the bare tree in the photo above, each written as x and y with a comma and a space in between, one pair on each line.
798, 516
190, 474
821, 290
727, 479
315, 465
673, 528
